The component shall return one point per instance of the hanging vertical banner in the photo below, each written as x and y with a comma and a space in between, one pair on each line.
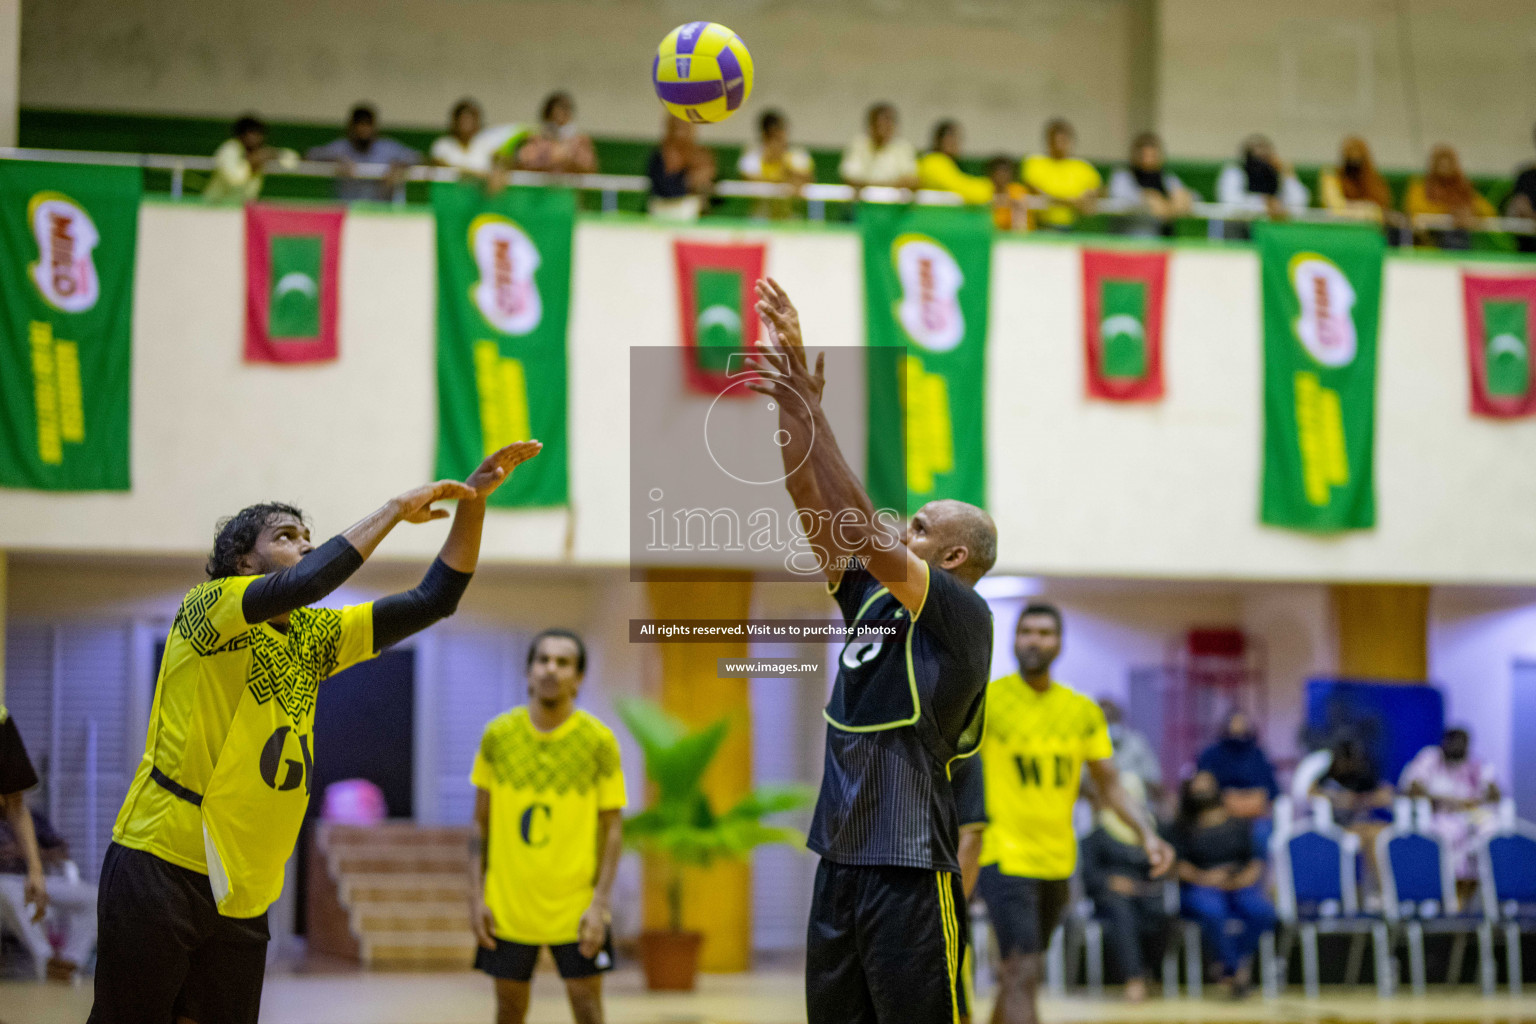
715, 309
1321, 307
68, 232
503, 303
292, 284
927, 280
1501, 321
1123, 324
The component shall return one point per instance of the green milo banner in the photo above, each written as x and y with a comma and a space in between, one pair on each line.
1322, 305
68, 233
927, 279
503, 301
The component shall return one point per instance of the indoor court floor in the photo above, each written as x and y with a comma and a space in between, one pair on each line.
762, 997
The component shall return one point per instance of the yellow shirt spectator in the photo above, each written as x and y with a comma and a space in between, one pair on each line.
940, 173
1065, 180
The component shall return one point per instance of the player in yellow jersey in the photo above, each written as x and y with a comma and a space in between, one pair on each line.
215, 807
548, 797
1016, 806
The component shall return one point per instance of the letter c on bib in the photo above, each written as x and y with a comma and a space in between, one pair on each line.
534, 825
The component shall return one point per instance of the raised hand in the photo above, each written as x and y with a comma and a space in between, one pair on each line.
415, 506
498, 466
781, 362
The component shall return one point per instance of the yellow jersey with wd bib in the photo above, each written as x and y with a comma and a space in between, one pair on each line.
227, 766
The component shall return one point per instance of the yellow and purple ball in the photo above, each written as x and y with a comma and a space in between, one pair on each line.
702, 72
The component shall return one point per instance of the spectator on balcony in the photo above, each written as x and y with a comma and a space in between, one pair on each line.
682, 173
879, 156
241, 161
1245, 775
1220, 868
774, 161
1462, 790
1522, 202
1009, 196
362, 144
1072, 184
1446, 191
1156, 194
471, 148
939, 171
1261, 183
71, 902
1355, 188
1117, 875
558, 147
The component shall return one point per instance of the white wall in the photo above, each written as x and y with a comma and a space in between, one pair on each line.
1077, 487
1405, 75
308, 61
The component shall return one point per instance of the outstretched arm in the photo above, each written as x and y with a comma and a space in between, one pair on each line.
437, 596
1106, 780
852, 527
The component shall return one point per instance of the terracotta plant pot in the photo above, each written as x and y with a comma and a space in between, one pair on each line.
670, 959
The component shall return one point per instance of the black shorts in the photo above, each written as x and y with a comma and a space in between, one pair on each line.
164, 952
885, 946
1024, 911
514, 961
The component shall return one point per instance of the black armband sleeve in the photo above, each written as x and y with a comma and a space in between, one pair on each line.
435, 598
312, 579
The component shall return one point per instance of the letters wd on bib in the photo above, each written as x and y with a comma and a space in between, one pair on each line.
1322, 299
68, 235
503, 302
292, 284
927, 280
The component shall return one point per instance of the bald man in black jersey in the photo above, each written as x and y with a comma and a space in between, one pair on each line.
888, 924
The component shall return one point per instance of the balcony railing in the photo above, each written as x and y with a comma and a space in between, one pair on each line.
816, 196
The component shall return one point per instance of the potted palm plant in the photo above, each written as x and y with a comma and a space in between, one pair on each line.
683, 831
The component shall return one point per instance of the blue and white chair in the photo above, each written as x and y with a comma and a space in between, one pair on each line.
1418, 894
1506, 861
1315, 875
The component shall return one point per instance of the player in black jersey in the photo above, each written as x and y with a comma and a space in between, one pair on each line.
888, 925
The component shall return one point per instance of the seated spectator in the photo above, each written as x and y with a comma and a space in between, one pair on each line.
1360, 798
878, 156
1245, 775
71, 902
682, 173
1355, 188
241, 161
1262, 183
1522, 202
469, 146
1070, 183
1219, 870
1444, 189
773, 159
1133, 752
1009, 212
1117, 876
939, 171
362, 144
558, 147
1157, 192
1463, 792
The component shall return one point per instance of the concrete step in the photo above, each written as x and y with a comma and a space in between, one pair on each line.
383, 859
374, 919
395, 834
417, 950
404, 886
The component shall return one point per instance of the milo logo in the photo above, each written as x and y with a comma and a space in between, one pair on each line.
65, 272
1325, 327
929, 307
506, 294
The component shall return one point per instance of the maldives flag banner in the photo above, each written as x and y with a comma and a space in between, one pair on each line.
715, 309
69, 234
1321, 306
1123, 324
292, 284
503, 304
927, 281
1501, 321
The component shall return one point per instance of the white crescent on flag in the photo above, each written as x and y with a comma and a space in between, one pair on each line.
296, 281
1507, 344
1122, 323
720, 316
